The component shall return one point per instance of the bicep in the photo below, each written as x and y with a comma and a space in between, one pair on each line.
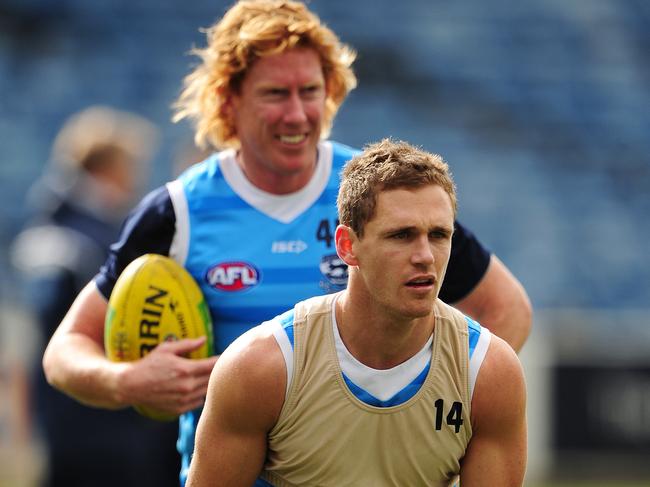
497, 451
229, 450
86, 316
245, 395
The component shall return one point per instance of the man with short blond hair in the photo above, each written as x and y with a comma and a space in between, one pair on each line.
381, 384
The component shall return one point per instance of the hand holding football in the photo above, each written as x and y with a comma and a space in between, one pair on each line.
155, 300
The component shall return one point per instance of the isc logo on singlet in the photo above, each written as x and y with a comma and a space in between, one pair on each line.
233, 276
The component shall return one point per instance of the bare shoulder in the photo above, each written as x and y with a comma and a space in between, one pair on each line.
500, 392
251, 373
256, 353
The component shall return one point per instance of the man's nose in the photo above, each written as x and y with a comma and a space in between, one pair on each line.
422, 251
295, 109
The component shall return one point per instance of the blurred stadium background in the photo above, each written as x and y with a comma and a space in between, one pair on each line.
542, 109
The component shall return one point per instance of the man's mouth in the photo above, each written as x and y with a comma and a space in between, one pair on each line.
421, 282
292, 139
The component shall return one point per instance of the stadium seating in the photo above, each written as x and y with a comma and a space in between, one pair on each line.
541, 110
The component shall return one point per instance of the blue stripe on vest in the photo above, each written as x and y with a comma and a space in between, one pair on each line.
254, 314
401, 397
328, 196
235, 203
262, 483
220, 203
286, 320
474, 331
291, 275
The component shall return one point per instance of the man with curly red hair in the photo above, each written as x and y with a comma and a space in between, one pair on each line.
254, 223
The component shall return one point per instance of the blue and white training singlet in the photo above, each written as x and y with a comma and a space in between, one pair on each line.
254, 254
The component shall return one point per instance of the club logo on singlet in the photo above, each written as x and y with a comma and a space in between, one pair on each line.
233, 276
334, 269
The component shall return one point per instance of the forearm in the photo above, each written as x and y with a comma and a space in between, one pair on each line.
497, 451
494, 465
76, 365
226, 463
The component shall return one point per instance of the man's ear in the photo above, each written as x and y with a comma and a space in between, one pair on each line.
345, 237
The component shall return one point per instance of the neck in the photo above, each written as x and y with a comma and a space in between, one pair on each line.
276, 181
376, 337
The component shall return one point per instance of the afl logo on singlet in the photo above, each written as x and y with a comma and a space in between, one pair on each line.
233, 276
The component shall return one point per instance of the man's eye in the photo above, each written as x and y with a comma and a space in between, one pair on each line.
275, 92
310, 90
438, 235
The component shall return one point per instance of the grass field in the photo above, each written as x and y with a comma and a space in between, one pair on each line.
20, 469
590, 484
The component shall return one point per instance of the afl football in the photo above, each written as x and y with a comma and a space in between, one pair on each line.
155, 299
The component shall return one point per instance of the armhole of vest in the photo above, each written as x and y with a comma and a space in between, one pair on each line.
178, 249
286, 347
477, 349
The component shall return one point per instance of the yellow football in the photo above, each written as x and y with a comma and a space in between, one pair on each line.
154, 299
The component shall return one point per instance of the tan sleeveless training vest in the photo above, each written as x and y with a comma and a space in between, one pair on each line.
326, 436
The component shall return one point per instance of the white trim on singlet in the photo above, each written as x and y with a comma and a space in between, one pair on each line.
476, 360
284, 208
382, 384
180, 241
285, 346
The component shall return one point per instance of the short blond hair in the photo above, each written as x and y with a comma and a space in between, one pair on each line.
384, 166
252, 29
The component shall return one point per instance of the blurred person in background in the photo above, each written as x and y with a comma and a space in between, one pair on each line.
253, 224
19, 458
97, 169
